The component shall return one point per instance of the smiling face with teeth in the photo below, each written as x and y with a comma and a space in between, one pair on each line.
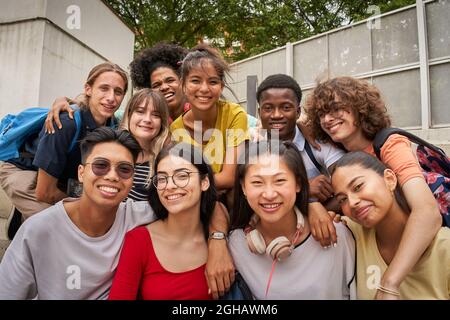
203, 86
270, 189
105, 96
145, 122
168, 83
174, 198
340, 124
109, 190
279, 110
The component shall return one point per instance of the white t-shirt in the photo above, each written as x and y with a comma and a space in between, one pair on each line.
52, 259
310, 273
327, 155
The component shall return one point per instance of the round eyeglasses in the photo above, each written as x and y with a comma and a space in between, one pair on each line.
179, 179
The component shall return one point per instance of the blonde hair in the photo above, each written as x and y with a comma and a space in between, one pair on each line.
82, 100
159, 103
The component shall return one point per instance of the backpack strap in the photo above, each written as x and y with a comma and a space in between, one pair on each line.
383, 135
313, 159
77, 118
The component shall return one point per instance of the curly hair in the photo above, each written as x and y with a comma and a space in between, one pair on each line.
148, 60
356, 95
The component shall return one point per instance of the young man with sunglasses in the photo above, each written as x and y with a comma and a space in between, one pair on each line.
71, 250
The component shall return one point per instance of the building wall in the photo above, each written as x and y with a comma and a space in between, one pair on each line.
405, 53
65, 66
100, 29
13, 10
20, 67
45, 55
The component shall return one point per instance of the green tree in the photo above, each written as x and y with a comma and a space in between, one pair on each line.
241, 28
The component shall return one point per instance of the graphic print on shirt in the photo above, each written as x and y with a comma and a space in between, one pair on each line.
73, 281
373, 277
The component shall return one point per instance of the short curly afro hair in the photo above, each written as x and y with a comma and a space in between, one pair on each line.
279, 81
148, 60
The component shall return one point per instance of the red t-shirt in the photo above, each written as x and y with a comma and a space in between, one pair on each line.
140, 275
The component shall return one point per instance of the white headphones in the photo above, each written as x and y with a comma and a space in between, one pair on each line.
279, 248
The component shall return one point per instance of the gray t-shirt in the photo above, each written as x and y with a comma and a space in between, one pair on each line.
50, 258
309, 273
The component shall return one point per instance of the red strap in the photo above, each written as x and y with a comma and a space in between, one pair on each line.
270, 276
294, 240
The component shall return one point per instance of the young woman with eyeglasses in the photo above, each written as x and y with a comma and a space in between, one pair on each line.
166, 259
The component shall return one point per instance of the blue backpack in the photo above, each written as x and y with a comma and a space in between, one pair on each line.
16, 129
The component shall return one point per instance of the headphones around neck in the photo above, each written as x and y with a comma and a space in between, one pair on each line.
279, 248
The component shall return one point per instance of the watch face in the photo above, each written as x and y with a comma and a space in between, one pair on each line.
217, 235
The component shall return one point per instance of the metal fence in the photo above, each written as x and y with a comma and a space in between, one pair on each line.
405, 53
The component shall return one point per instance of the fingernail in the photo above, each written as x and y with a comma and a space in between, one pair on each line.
335, 244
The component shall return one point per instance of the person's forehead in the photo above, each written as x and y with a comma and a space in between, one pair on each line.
172, 162
109, 77
204, 68
342, 175
113, 151
279, 93
163, 72
267, 165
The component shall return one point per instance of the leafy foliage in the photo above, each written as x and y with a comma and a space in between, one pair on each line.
241, 28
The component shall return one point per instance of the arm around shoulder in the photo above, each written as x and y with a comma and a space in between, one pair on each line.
422, 226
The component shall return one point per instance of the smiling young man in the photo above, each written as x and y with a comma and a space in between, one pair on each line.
71, 250
279, 99
46, 170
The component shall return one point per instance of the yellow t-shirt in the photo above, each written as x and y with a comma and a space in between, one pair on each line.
230, 131
429, 279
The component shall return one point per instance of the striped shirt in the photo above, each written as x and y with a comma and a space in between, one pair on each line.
139, 191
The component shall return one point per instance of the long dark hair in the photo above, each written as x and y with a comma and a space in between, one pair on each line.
370, 162
288, 152
194, 156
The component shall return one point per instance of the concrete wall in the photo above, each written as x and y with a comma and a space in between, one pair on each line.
47, 52
20, 67
13, 10
100, 29
65, 64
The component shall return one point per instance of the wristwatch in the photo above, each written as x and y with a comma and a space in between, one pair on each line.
217, 235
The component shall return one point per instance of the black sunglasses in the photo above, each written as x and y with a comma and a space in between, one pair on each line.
101, 167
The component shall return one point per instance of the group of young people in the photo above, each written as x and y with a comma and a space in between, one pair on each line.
181, 194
